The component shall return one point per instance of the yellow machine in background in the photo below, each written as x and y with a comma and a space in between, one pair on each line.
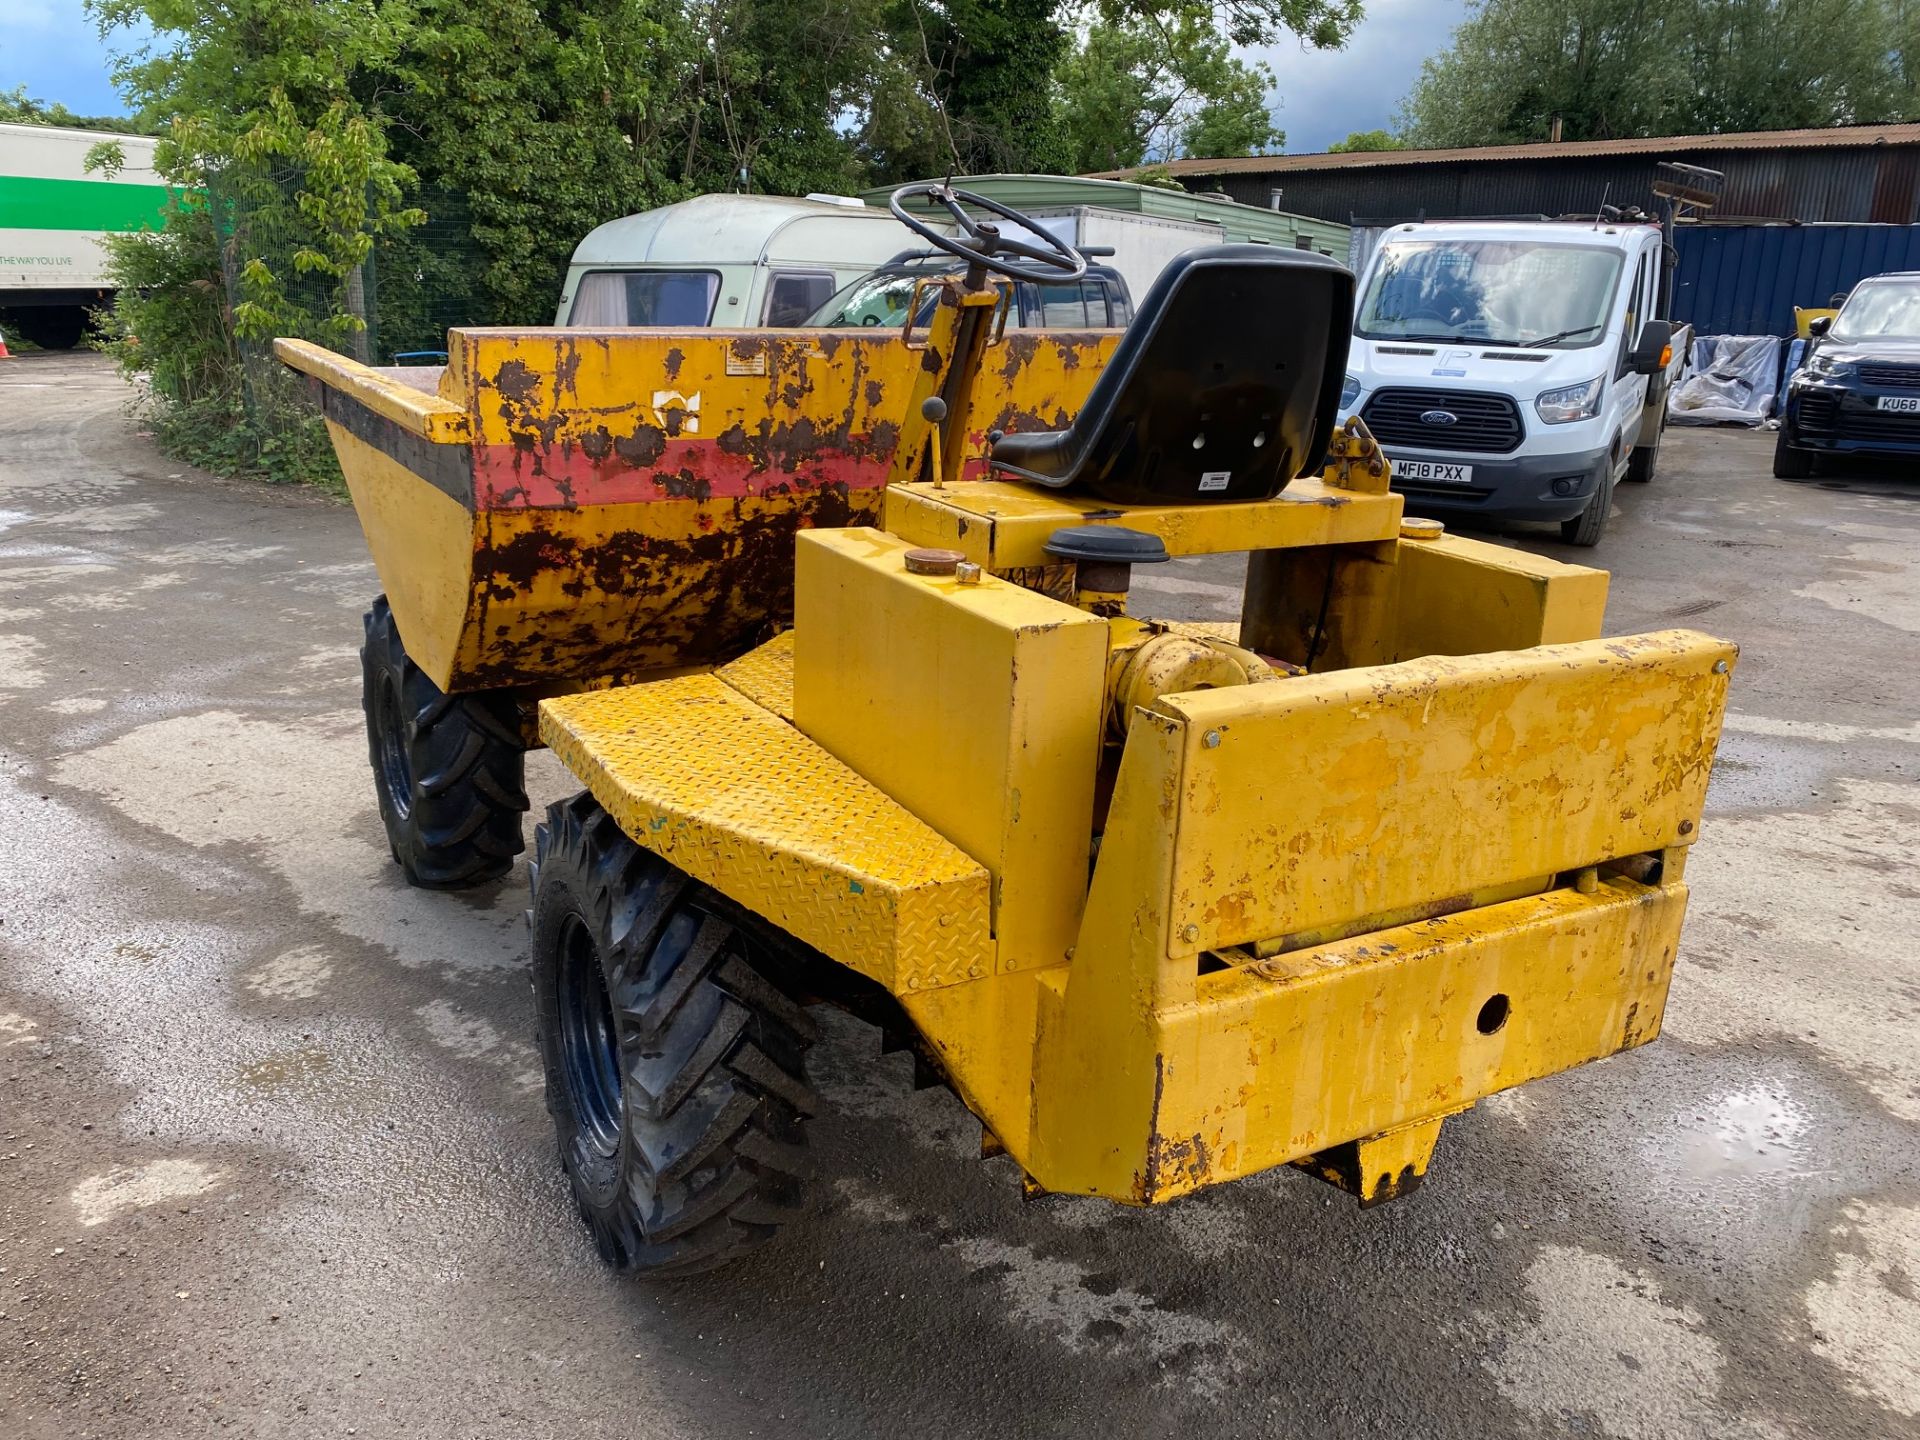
1165, 903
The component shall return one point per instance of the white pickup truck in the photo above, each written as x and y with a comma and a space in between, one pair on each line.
1516, 370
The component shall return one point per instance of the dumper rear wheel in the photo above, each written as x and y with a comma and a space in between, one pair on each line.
674, 1062
449, 769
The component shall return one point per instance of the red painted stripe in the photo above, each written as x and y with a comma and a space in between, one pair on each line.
507, 477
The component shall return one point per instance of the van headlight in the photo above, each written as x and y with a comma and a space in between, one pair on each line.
1349, 391
1573, 402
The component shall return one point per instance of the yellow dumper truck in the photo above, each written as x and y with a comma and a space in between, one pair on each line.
834, 629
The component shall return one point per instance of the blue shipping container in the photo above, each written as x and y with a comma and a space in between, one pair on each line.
1746, 279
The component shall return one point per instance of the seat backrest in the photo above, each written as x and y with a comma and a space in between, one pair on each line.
1225, 387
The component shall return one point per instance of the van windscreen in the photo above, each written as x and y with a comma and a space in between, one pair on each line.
878, 298
644, 297
1499, 292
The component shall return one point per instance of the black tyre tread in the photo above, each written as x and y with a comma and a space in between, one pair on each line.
774, 1154
649, 1019
455, 831
723, 1122
1643, 463
751, 986
1586, 528
701, 1037
1789, 461
758, 1066
713, 1153
503, 797
462, 824
453, 768
672, 1211
499, 723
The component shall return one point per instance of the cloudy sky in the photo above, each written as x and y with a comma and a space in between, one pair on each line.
1323, 97
50, 47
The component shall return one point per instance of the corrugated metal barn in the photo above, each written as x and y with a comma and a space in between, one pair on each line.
1746, 279
1859, 173
1804, 214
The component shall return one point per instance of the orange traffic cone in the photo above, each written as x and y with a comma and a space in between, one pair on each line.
3, 346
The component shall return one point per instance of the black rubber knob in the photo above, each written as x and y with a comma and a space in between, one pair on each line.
1106, 544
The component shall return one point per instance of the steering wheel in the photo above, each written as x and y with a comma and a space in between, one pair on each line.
1052, 263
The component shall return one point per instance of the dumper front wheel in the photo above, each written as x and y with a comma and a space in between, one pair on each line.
674, 1062
449, 769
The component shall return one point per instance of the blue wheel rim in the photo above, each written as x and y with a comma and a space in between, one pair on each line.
589, 1041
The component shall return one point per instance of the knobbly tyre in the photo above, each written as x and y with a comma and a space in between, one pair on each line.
834, 630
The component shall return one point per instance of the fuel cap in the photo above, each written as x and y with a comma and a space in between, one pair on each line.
932, 562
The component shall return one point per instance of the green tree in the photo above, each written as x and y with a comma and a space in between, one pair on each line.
1780, 64
964, 86
286, 185
254, 98
974, 85
1903, 25
1365, 140
17, 107
1140, 87
1609, 68
770, 85
536, 122
1231, 115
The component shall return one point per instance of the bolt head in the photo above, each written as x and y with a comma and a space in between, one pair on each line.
1211, 740
1190, 933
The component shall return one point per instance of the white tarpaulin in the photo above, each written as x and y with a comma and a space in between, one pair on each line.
1731, 381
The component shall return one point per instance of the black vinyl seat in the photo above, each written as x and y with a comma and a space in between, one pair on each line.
1225, 387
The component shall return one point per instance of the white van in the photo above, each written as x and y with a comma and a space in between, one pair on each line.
727, 260
1515, 370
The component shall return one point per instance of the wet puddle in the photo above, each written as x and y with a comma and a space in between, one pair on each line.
1756, 1133
292, 1069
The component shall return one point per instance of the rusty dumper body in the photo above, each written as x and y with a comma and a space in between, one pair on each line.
554, 508
834, 628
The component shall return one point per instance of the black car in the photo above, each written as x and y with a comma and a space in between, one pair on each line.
1858, 391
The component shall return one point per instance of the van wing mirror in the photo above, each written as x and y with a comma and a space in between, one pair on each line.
1819, 325
1653, 349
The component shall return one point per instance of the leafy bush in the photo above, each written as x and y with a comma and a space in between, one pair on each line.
170, 330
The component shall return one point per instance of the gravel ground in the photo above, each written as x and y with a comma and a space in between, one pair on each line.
273, 1157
